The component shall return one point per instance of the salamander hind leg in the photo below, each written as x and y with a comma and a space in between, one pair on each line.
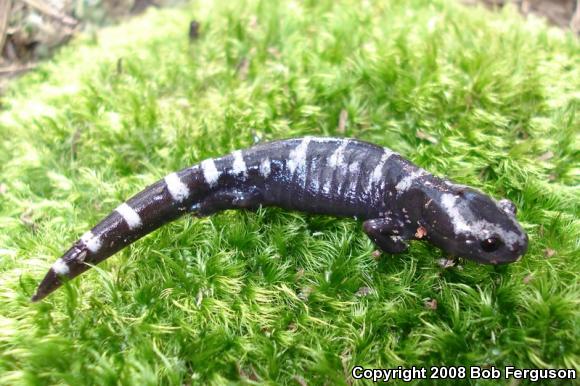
246, 198
386, 234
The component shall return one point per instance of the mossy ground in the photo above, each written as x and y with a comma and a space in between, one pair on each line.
486, 99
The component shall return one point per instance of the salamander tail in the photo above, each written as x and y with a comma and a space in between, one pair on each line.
162, 202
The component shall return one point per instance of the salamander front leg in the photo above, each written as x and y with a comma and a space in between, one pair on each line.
386, 235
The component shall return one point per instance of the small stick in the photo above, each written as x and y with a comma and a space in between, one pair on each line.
13, 70
5, 7
575, 20
49, 11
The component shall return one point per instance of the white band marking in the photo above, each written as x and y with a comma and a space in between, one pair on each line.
60, 267
210, 173
239, 166
406, 182
377, 174
337, 158
178, 190
265, 168
297, 157
129, 215
354, 171
92, 242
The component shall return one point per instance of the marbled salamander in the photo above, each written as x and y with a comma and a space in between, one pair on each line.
397, 200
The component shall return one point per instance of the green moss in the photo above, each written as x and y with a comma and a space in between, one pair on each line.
275, 296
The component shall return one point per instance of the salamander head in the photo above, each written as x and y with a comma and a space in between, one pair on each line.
466, 223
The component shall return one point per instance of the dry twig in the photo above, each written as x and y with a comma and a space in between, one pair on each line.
5, 7
51, 12
16, 69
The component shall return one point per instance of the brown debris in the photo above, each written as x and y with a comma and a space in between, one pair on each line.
26, 218
243, 68
305, 293
300, 380
363, 291
431, 304
446, 263
575, 22
563, 13
299, 274
376, 254
253, 23
427, 137
5, 7
549, 252
528, 279
274, 52
546, 156
10, 71
119, 66
421, 232
47, 10
31, 30
75, 142
249, 374
194, 30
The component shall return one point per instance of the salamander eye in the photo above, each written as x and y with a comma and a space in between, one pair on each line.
491, 244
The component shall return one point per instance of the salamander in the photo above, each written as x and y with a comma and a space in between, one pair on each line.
396, 200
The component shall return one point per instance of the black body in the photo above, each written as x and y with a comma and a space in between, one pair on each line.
397, 201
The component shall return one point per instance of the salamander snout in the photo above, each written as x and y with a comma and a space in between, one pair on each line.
496, 235
470, 224
495, 250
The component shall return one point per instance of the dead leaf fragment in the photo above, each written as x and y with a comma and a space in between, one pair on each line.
431, 304
305, 293
426, 136
299, 274
549, 252
446, 263
27, 219
528, 278
250, 374
274, 52
421, 232
376, 254
50, 11
300, 380
363, 291
253, 23
546, 156
243, 68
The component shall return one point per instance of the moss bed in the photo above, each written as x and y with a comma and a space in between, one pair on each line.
489, 100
